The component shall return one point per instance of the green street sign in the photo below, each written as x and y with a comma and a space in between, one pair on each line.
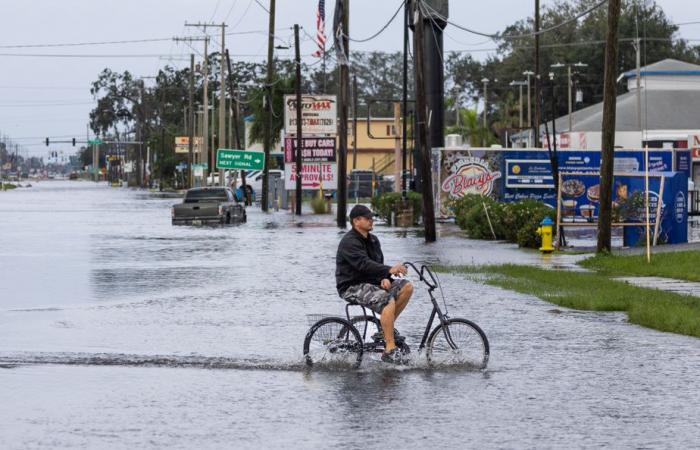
239, 159
95, 142
200, 166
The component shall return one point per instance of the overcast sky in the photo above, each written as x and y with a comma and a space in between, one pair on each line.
44, 96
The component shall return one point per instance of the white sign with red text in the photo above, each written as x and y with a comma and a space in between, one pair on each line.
470, 176
313, 175
319, 114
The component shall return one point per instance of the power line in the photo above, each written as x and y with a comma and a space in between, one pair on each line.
230, 10
497, 36
35, 105
216, 8
381, 30
262, 6
78, 44
126, 41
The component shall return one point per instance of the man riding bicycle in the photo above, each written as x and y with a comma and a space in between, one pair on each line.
363, 278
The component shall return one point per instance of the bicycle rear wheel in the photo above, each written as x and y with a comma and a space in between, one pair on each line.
461, 342
333, 342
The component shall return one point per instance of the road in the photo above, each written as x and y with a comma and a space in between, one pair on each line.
118, 330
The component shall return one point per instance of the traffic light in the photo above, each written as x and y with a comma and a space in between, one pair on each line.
47, 142
73, 142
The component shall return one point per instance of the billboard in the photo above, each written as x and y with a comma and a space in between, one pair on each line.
319, 114
313, 176
313, 149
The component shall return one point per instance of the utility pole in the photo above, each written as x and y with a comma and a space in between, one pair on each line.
423, 145
267, 101
300, 130
404, 97
222, 100
538, 81
608, 148
236, 118
638, 47
528, 74
343, 117
205, 113
486, 107
354, 121
397, 147
190, 126
205, 132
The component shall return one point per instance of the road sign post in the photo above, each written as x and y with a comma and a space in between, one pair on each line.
239, 159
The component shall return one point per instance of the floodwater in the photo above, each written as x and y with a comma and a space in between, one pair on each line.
118, 330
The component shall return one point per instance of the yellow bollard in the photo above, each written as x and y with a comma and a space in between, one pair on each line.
546, 232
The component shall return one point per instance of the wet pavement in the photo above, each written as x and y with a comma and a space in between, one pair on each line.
665, 284
118, 330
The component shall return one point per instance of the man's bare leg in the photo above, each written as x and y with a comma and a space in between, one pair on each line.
387, 320
402, 299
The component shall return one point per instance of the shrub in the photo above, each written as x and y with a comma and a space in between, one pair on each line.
478, 224
513, 222
524, 217
319, 205
384, 205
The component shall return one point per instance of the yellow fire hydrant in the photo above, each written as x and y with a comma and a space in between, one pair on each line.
545, 231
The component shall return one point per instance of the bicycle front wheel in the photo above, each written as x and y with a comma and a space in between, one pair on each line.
461, 342
333, 342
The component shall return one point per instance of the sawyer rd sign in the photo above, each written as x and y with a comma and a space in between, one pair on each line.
312, 150
319, 114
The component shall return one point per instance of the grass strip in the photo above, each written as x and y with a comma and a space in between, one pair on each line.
676, 265
652, 308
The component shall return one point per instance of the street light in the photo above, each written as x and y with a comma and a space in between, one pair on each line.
486, 107
520, 85
528, 74
570, 85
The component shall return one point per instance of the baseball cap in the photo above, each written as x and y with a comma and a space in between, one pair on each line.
361, 211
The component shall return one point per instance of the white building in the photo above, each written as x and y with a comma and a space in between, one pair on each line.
664, 113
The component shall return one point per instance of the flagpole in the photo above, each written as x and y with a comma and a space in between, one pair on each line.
323, 64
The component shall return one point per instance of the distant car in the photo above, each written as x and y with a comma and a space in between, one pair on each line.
362, 183
208, 205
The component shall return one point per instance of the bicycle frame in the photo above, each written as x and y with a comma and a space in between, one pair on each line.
432, 284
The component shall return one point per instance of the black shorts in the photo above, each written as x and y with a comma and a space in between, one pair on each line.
373, 296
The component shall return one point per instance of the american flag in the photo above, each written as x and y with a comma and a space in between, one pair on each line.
320, 28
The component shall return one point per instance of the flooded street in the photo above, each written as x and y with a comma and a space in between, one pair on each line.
118, 330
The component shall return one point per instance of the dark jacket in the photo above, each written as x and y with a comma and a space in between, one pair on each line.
359, 260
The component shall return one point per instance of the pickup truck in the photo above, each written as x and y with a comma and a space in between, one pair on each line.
208, 205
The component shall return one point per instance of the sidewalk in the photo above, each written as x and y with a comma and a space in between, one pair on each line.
664, 284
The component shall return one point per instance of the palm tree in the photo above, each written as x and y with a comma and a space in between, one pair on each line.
471, 130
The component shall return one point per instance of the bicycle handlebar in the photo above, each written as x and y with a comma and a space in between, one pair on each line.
421, 273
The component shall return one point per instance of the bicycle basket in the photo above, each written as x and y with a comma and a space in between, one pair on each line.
311, 319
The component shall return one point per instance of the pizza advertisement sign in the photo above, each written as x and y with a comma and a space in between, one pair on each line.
460, 172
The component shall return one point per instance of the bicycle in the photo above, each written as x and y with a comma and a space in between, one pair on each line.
337, 341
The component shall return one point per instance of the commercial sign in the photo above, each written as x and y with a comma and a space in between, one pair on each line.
319, 114
313, 149
182, 144
239, 159
470, 176
534, 173
313, 176
580, 197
